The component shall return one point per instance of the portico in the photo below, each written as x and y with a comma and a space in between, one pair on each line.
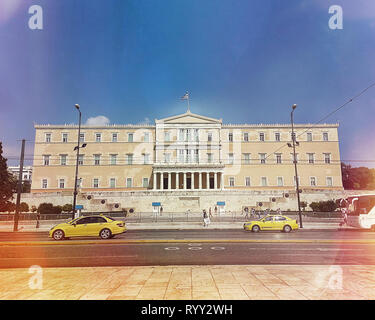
188, 178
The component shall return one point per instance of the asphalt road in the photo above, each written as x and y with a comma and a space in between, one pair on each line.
207, 247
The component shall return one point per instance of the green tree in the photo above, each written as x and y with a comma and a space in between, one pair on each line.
7, 183
24, 207
68, 207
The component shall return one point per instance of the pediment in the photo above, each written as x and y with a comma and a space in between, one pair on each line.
189, 117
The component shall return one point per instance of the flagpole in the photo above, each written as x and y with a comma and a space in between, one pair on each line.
188, 99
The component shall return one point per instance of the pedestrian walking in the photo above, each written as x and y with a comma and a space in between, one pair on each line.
161, 211
209, 213
246, 213
252, 213
37, 220
206, 219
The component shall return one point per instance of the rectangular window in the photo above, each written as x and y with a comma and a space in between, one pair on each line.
246, 158
167, 157
325, 136
278, 158
261, 136
95, 183
65, 137
293, 136
262, 157
129, 182
247, 181
280, 181
294, 159
264, 181
329, 181
188, 156
312, 181
188, 135
309, 136
209, 136
98, 137
181, 156
146, 137
230, 158
48, 137
46, 160
231, 181
80, 159
311, 158
145, 182
181, 135
63, 159
146, 158
294, 181
209, 157
130, 137
114, 137
112, 183
44, 184
230, 137
246, 136
97, 159
196, 135
277, 136
81, 137
167, 137
61, 183
129, 159
327, 158
113, 158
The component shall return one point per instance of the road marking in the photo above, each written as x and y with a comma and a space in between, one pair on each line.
194, 244
172, 248
131, 241
217, 248
195, 248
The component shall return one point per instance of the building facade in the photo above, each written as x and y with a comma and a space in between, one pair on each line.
187, 152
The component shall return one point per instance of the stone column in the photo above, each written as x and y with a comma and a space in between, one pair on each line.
177, 180
161, 181
199, 180
222, 181
215, 180
169, 181
192, 181
184, 187
208, 180
155, 184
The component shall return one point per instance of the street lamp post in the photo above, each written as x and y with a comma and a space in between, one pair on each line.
76, 174
295, 166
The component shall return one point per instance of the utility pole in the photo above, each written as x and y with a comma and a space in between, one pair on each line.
76, 173
19, 187
295, 166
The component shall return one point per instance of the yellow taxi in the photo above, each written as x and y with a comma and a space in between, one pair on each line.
272, 222
88, 226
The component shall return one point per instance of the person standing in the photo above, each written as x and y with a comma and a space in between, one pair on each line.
206, 219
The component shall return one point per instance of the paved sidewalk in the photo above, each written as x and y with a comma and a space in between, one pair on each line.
266, 282
46, 225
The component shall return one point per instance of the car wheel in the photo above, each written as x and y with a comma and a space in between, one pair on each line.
105, 234
255, 228
287, 229
58, 235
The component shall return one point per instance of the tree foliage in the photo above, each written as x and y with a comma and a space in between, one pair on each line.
7, 183
361, 178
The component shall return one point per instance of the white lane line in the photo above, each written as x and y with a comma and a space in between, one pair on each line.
217, 248
172, 248
195, 248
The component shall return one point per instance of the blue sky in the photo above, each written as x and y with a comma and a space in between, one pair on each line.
243, 61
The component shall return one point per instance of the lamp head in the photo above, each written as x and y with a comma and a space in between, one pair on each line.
294, 106
77, 106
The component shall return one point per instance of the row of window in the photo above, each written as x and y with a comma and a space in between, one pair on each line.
280, 181
145, 182
96, 181
184, 156
184, 135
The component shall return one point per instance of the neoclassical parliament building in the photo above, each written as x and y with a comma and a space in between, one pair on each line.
188, 156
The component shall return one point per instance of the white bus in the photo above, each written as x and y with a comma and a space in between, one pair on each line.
359, 211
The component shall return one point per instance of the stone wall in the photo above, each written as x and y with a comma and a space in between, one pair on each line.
181, 201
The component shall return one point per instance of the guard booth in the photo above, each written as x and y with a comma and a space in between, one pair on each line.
156, 207
221, 207
79, 209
